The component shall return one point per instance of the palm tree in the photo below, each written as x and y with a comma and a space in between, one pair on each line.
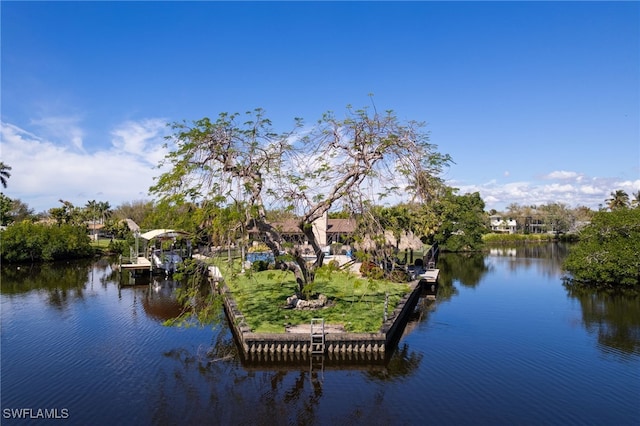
4, 174
104, 208
91, 210
619, 200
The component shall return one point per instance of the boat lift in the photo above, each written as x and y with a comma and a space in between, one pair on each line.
148, 257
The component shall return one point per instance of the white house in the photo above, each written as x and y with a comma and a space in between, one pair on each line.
500, 225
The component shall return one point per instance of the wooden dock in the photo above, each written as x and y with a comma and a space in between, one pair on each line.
141, 263
430, 275
429, 282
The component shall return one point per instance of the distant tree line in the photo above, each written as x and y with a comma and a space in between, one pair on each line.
33, 242
606, 254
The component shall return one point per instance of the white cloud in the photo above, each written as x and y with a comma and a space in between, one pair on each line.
628, 185
559, 189
142, 139
590, 189
590, 192
44, 172
561, 175
63, 129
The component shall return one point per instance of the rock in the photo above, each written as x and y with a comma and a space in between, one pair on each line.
292, 301
318, 303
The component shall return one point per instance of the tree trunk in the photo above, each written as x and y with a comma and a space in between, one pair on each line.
273, 240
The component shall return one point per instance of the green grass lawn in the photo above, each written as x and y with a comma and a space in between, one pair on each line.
355, 302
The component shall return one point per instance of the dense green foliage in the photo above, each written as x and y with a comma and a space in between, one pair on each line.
608, 251
29, 242
462, 222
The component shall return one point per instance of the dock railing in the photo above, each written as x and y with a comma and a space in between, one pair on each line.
431, 257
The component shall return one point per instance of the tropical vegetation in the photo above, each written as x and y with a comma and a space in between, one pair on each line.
30, 242
244, 166
607, 253
4, 173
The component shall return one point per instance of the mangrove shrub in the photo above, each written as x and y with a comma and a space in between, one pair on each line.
32, 242
607, 253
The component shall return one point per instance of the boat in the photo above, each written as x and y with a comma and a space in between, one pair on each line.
164, 260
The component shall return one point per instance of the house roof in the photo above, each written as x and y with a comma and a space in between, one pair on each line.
288, 226
343, 226
132, 225
95, 226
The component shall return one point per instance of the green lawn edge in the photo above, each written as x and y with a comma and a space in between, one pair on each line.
356, 303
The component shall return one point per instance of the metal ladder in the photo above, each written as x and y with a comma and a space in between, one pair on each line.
317, 335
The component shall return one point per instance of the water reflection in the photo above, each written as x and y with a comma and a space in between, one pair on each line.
546, 258
61, 283
262, 395
496, 362
158, 300
424, 307
612, 316
465, 268
271, 391
64, 283
403, 363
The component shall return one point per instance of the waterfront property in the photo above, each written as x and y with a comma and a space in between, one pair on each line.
318, 337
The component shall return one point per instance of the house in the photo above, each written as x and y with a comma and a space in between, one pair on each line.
535, 224
95, 230
327, 231
504, 226
340, 232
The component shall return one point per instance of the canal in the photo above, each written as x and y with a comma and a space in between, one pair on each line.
505, 342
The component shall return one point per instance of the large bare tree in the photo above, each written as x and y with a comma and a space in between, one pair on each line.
348, 163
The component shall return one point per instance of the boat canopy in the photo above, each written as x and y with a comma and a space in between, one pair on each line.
162, 233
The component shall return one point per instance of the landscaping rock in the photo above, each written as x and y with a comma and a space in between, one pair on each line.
292, 301
297, 303
318, 303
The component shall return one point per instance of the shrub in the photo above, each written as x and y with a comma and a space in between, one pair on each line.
517, 238
258, 248
31, 242
334, 265
398, 276
259, 265
117, 246
607, 252
371, 270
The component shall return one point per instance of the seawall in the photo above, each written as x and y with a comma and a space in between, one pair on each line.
335, 342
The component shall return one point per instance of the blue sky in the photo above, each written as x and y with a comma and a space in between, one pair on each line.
536, 102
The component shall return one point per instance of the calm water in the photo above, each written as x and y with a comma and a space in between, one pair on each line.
505, 343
